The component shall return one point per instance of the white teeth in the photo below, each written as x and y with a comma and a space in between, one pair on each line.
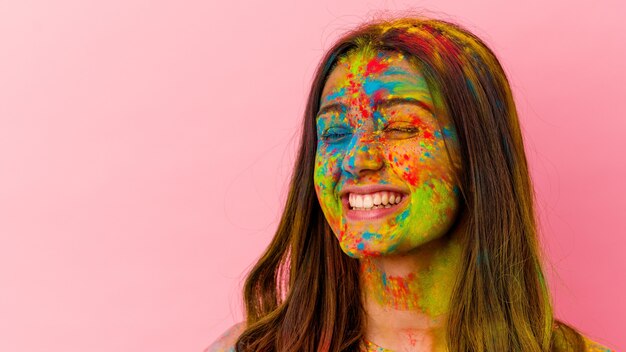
358, 201
367, 201
375, 200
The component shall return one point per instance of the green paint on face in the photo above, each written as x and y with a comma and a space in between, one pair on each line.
378, 125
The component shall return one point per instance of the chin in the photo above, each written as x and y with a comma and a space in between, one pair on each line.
364, 250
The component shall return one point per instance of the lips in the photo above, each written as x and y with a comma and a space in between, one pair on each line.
379, 212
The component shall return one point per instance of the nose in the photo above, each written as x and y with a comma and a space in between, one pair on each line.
363, 155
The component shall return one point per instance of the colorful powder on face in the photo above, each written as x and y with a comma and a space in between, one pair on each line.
399, 144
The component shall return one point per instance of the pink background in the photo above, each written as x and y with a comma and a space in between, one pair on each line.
145, 148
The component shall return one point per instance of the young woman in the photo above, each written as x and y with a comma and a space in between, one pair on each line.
409, 223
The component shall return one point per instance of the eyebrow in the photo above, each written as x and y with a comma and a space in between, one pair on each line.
332, 107
385, 103
397, 101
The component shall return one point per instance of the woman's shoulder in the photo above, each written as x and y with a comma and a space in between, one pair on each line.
592, 346
226, 341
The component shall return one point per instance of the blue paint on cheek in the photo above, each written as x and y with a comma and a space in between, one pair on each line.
360, 246
437, 134
402, 216
384, 279
427, 154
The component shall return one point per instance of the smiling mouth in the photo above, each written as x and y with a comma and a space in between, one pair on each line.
376, 200
373, 206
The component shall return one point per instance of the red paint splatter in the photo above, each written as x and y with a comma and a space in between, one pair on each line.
411, 177
375, 66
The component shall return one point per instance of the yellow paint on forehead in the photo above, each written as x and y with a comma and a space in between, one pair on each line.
358, 59
355, 64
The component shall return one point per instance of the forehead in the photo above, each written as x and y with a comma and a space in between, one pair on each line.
371, 72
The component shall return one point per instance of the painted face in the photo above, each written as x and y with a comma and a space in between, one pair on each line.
384, 177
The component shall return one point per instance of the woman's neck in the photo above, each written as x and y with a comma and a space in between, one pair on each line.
406, 296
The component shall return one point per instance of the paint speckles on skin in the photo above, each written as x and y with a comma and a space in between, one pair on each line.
376, 65
378, 127
427, 292
370, 235
391, 291
373, 86
339, 93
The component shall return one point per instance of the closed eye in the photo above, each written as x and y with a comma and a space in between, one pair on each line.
335, 135
402, 129
400, 132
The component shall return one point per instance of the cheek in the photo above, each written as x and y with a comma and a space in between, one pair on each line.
326, 177
417, 161
404, 160
327, 170
425, 164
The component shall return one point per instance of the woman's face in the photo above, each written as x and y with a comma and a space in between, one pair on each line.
383, 176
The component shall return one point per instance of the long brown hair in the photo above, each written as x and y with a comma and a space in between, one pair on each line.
303, 293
